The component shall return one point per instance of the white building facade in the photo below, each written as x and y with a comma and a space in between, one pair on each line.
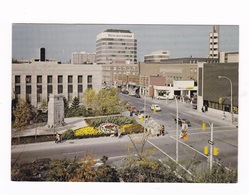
35, 81
116, 46
214, 43
157, 56
83, 58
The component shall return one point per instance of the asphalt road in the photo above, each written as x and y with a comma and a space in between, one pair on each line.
163, 147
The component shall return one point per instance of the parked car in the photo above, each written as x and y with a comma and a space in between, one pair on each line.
138, 112
125, 92
137, 95
180, 120
155, 106
161, 97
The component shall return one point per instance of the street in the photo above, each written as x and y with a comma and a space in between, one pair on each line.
163, 147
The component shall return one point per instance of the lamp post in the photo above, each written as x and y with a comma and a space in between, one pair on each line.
231, 98
177, 133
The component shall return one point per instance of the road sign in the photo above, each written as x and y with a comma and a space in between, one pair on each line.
210, 142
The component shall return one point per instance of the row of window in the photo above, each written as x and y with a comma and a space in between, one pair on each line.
112, 39
39, 78
50, 88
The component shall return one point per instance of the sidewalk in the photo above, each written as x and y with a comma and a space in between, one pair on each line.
71, 123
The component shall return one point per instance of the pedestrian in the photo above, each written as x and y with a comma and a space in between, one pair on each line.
203, 109
57, 138
119, 132
163, 130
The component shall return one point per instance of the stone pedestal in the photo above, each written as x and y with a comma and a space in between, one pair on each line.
55, 111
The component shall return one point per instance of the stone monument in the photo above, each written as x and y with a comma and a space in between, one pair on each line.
55, 111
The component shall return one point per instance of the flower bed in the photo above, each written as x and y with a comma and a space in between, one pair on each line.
86, 132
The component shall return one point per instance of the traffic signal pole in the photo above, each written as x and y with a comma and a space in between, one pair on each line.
211, 146
211, 142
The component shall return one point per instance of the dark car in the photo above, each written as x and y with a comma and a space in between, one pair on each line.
137, 112
137, 95
180, 120
125, 92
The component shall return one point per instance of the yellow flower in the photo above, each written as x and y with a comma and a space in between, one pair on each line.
86, 131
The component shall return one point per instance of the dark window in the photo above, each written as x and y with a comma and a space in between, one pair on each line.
60, 89
70, 79
17, 79
50, 89
60, 79
39, 79
89, 82
28, 79
50, 79
80, 89
80, 79
17, 89
28, 89
39, 88
70, 88
89, 79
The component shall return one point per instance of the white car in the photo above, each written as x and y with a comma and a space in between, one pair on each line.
156, 107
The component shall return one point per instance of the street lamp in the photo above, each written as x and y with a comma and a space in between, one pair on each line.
224, 77
177, 133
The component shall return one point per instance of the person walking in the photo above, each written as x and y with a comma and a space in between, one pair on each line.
57, 138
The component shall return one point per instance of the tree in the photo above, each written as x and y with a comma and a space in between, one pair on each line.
75, 104
90, 99
22, 113
108, 101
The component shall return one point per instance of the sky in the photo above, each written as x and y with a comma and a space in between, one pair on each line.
60, 40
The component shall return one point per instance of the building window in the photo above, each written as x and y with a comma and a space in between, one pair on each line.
80, 89
60, 89
50, 79
18, 89
39, 89
80, 79
28, 89
17, 79
39, 79
70, 79
28, 79
89, 82
70, 88
50, 89
60, 79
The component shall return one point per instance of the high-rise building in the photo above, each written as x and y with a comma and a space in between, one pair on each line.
214, 43
83, 58
116, 46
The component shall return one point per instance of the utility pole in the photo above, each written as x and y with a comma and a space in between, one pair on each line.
177, 133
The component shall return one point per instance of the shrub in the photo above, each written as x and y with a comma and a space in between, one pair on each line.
132, 128
118, 120
69, 134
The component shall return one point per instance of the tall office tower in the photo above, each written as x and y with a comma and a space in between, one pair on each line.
214, 43
116, 46
42, 55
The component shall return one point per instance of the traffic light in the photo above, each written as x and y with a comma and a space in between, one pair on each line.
206, 150
203, 126
185, 137
216, 151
